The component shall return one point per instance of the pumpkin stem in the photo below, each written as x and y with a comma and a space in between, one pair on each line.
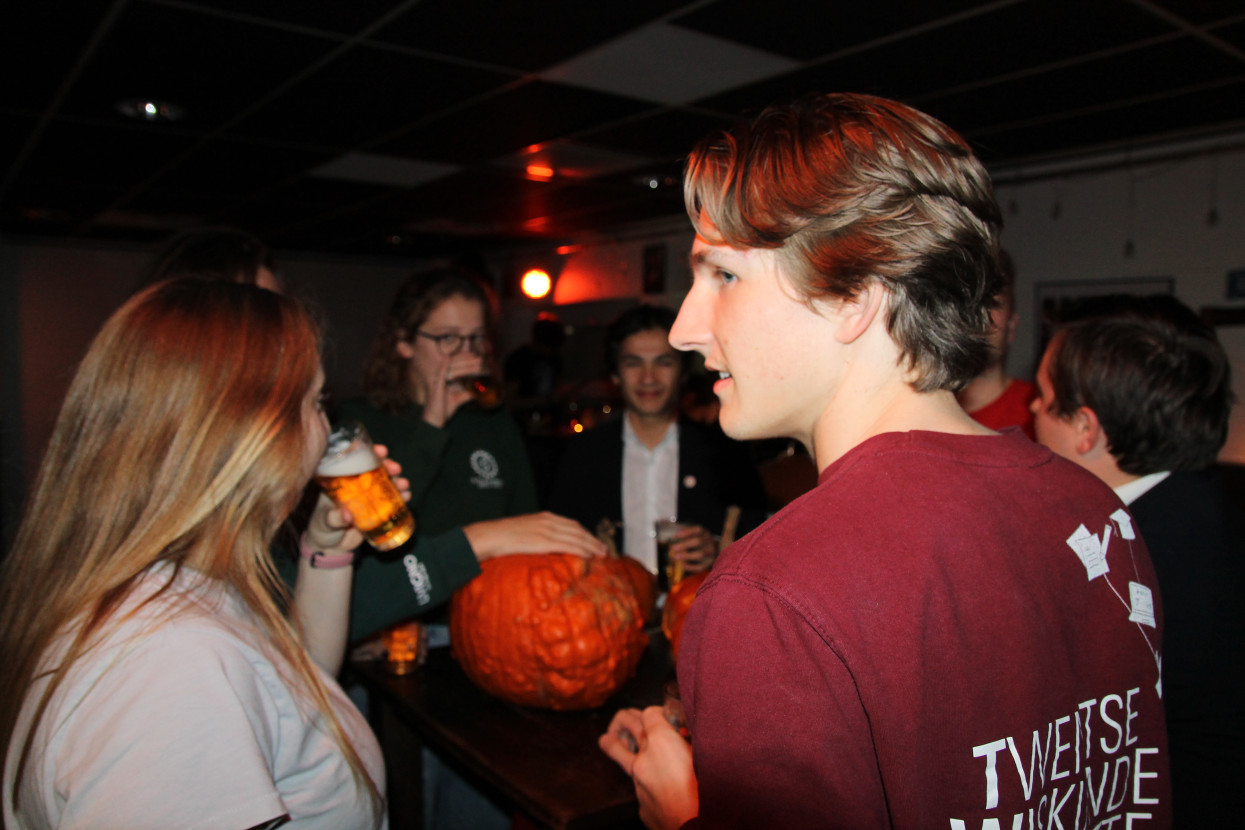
605, 532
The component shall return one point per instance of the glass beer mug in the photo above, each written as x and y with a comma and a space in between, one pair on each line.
354, 478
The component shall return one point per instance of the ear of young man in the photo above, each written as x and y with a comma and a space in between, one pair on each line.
855, 315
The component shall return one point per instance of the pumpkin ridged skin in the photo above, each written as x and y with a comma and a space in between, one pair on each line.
644, 583
552, 631
678, 602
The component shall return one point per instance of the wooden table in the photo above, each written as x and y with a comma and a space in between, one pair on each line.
546, 764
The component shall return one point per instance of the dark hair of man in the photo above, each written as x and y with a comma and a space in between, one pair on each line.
1153, 373
216, 253
850, 189
633, 321
1007, 279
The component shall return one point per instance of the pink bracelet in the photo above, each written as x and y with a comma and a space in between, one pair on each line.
324, 561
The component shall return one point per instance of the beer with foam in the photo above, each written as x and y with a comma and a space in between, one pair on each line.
354, 478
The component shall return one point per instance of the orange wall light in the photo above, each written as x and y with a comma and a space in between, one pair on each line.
536, 283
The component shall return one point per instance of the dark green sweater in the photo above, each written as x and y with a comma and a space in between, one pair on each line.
473, 469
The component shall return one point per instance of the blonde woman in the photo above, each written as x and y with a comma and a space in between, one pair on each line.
153, 680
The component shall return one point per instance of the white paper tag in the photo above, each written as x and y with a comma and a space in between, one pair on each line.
1092, 552
1125, 523
1143, 604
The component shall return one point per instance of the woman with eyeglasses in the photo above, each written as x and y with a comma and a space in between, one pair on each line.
472, 490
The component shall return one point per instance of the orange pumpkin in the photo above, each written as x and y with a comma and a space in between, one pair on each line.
553, 631
678, 601
644, 583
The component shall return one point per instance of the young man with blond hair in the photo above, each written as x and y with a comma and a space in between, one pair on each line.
954, 628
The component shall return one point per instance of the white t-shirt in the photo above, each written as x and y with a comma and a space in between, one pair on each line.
182, 718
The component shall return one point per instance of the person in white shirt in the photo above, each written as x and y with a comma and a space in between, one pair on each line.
650, 464
153, 678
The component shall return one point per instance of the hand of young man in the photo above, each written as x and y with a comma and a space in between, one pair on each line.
659, 761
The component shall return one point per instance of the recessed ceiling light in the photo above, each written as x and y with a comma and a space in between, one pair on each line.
145, 109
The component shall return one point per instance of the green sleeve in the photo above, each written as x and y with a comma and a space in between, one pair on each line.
413, 442
389, 590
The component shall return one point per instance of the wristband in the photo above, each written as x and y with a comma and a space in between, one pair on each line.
324, 561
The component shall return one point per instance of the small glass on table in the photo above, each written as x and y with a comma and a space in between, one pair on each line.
406, 647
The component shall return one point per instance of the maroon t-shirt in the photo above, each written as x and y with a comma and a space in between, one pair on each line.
947, 632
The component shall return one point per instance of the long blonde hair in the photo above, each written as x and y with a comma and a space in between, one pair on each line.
180, 441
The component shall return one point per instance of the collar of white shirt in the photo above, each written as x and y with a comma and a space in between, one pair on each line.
1137, 488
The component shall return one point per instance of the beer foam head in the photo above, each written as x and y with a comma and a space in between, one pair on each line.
342, 459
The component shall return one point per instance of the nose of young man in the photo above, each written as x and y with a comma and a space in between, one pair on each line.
690, 332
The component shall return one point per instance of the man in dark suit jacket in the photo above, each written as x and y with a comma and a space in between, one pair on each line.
649, 464
1139, 394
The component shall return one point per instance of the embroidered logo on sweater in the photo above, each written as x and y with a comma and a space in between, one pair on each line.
487, 472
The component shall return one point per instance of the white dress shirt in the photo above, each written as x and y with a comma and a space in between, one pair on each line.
650, 490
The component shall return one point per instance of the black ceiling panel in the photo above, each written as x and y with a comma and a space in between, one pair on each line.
529, 114
1181, 115
369, 92
667, 134
1233, 33
210, 66
39, 47
1159, 70
1203, 12
808, 31
273, 90
343, 18
1010, 39
526, 36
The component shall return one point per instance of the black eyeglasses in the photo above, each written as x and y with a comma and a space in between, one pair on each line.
452, 344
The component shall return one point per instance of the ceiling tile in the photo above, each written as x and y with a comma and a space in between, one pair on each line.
668, 134
384, 170
1233, 34
365, 93
226, 165
525, 36
39, 46
110, 160
328, 15
668, 64
529, 114
812, 30
1202, 12
1120, 77
1009, 39
1179, 114
167, 53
